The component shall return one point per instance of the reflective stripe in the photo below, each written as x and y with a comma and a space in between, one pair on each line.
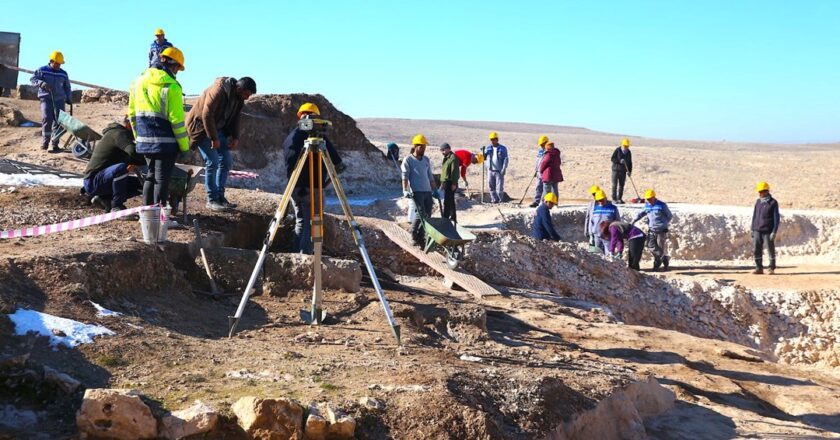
155, 140
164, 94
180, 135
178, 125
121, 177
150, 114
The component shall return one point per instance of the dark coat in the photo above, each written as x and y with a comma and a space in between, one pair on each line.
293, 146
616, 160
766, 215
116, 146
550, 171
543, 229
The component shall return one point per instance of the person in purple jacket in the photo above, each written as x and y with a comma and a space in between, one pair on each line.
619, 231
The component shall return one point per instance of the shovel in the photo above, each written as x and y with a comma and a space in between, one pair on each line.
638, 198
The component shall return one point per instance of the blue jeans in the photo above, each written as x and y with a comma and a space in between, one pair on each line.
217, 165
113, 183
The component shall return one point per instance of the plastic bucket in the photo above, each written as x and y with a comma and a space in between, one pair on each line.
164, 224
150, 225
412, 212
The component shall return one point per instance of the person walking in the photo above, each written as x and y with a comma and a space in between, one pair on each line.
496, 158
658, 218
622, 166
107, 177
543, 228
293, 148
449, 181
157, 46
465, 159
589, 210
417, 181
538, 188
617, 232
765, 224
53, 85
213, 127
604, 211
156, 112
550, 173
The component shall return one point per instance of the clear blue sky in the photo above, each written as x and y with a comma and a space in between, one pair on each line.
764, 70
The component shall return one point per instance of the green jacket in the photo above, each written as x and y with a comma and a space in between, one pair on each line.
450, 172
116, 146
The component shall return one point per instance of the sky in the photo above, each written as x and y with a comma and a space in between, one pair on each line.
740, 70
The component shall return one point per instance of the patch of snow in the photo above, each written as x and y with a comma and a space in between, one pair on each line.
468, 358
74, 332
102, 312
38, 180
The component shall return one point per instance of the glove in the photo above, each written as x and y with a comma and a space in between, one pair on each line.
407, 193
622, 161
436, 193
591, 240
45, 87
466, 184
617, 256
772, 236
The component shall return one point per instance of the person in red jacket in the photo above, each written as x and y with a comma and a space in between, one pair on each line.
465, 158
550, 172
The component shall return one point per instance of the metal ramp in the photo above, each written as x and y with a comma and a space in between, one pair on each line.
436, 261
8, 166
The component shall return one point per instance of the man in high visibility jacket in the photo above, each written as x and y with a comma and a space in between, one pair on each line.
156, 111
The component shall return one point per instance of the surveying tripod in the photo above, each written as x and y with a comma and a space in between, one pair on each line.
315, 150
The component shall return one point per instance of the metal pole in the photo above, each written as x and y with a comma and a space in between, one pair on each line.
316, 189
79, 83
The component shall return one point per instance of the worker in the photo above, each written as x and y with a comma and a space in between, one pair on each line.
765, 224
157, 47
603, 211
108, 177
622, 166
465, 159
53, 92
538, 188
543, 228
658, 218
213, 126
449, 181
417, 184
589, 236
617, 232
156, 111
393, 152
496, 158
550, 173
293, 148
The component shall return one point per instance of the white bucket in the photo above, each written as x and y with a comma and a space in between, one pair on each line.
412, 211
150, 225
164, 224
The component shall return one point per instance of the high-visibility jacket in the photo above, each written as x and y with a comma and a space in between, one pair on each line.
156, 111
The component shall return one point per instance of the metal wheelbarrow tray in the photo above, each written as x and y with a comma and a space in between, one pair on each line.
82, 138
450, 238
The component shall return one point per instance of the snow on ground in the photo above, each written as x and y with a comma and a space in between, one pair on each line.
38, 180
61, 331
102, 312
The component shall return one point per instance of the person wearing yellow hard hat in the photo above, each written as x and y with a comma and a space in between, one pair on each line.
156, 112
543, 228
659, 219
418, 184
157, 46
603, 211
538, 189
765, 224
622, 166
53, 85
496, 160
589, 210
293, 149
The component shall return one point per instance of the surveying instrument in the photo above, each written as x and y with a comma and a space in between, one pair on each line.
315, 150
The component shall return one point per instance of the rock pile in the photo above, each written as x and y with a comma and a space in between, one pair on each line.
281, 418
10, 116
104, 96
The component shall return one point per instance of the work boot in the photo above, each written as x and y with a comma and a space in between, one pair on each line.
216, 206
45, 145
534, 205
227, 204
131, 217
771, 271
102, 203
620, 202
656, 263
758, 271
665, 262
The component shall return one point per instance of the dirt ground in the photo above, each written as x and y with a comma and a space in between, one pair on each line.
522, 365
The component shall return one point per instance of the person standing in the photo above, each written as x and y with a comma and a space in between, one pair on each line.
293, 147
53, 91
604, 212
589, 210
107, 177
543, 228
417, 181
449, 181
550, 172
156, 112
465, 159
496, 158
765, 224
213, 127
658, 217
622, 166
616, 232
157, 47
538, 188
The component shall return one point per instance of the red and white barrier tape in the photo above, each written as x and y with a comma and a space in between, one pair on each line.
73, 224
243, 174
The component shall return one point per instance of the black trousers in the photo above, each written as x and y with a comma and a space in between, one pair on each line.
634, 252
449, 202
156, 187
761, 239
618, 179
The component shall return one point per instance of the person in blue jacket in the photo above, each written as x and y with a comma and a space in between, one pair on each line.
658, 218
603, 211
543, 229
53, 92
157, 46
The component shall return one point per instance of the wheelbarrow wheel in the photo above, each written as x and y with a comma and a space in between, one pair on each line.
452, 261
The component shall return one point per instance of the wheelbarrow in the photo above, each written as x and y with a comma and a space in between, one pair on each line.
82, 138
445, 237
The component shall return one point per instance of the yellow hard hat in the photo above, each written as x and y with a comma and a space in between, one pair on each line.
159, 31
550, 197
599, 195
479, 158
593, 189
57, 57
762, 186
543, 139
650, 194
493, 135
625, 142
308, 108
175, 54
419, 139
